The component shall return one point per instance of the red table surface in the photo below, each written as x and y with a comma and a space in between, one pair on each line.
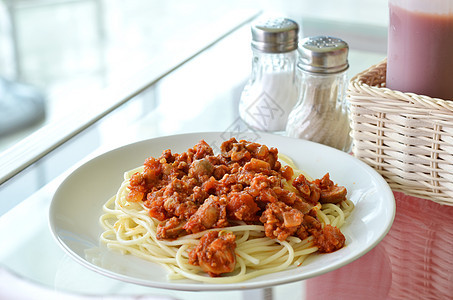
414, 260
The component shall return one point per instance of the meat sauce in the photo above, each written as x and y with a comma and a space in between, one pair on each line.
197, 190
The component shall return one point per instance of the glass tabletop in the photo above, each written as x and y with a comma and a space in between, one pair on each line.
200, 93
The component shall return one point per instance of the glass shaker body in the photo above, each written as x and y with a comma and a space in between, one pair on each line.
420, 47
321, 114
271, 91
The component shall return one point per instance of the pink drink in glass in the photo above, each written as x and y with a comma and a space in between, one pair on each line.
420, 48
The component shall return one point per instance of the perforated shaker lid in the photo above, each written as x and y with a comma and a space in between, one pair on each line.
323, 54
276, 35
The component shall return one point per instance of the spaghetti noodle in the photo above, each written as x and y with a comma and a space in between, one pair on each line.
259, 243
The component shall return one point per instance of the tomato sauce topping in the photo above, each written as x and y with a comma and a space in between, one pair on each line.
197, 190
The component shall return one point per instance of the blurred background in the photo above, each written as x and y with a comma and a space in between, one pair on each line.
76, 75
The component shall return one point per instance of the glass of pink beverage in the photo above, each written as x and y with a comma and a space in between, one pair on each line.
420, 47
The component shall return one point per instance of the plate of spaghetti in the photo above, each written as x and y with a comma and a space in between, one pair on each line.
220, 211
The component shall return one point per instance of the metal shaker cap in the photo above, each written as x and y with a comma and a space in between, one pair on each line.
277, 35
323, 54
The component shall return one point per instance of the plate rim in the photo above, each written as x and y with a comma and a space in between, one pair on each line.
199, 286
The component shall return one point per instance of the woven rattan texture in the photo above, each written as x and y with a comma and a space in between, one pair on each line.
406, 137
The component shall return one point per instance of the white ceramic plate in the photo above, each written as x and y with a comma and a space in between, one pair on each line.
77, 206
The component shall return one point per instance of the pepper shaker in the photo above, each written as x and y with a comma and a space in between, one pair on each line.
321, 113
272, 89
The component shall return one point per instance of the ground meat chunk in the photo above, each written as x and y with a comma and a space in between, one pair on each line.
179, 205
257, 165
155, 203
201, 167
215, 253
331, 192
308, 190
241, 206
170, 229
287, 172
280, 220
235, 151
329, 239
309, 225
211, 214
200, 150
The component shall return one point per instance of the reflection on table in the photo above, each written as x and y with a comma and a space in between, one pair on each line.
414, 260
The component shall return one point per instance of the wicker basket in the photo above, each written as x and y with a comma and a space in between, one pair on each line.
406, 137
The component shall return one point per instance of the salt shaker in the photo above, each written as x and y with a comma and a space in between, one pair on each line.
321, 113
272, 89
